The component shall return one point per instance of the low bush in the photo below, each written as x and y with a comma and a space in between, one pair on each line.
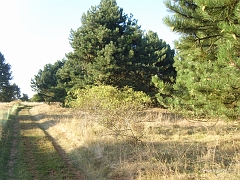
106, 97
116, 109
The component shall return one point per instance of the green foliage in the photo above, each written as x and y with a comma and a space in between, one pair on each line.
6, 74
208, 59
105, 97
37, 98
13, 92
165, 91
24, 97
46, 83
8, 92
110, 48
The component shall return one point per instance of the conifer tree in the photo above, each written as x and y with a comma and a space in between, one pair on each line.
208, 58
8, 91
5, 73
46, 83
111, 48
156, 58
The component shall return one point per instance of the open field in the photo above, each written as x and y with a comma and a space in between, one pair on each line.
153, 144
50, 142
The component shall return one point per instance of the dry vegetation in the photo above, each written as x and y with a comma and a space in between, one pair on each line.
152, 144
5, 109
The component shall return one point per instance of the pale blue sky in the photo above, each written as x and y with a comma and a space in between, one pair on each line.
35, 32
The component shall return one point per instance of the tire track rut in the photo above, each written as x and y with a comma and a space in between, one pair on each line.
14, 150
38, 149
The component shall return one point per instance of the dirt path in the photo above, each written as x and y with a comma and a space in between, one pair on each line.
34, 154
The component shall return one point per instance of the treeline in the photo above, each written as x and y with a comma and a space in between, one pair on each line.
200, 78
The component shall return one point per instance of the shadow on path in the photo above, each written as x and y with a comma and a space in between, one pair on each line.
43, 157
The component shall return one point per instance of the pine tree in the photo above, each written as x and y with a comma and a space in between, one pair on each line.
156, 58
47, 83
110, 48
5, 73
8, 92
24, 97
208, 58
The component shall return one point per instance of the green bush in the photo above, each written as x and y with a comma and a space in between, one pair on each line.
37, 98
105, 97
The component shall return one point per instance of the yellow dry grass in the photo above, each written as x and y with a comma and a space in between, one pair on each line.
169, 148
4, 113
5, 106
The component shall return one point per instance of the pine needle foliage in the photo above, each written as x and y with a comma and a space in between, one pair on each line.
111, 48
46, 84
207, 60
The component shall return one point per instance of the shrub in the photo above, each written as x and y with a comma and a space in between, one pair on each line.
116, 109
105, 97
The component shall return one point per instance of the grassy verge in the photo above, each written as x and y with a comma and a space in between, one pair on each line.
6, 137
170, 147
6, 110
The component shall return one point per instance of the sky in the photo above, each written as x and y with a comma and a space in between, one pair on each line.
34, 33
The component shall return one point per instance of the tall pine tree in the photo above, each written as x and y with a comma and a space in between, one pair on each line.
208, 58
111, 48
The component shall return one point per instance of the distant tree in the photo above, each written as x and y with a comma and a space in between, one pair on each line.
5, 77
8, 92
110, 48
45, 83
208, 59
15, 91
37, 98
24, 97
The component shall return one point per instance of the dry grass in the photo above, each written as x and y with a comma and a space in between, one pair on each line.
5, 109
4, 106
168, 147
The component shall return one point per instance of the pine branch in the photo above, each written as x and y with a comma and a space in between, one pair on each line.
172, 8
208, 37
222, 7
